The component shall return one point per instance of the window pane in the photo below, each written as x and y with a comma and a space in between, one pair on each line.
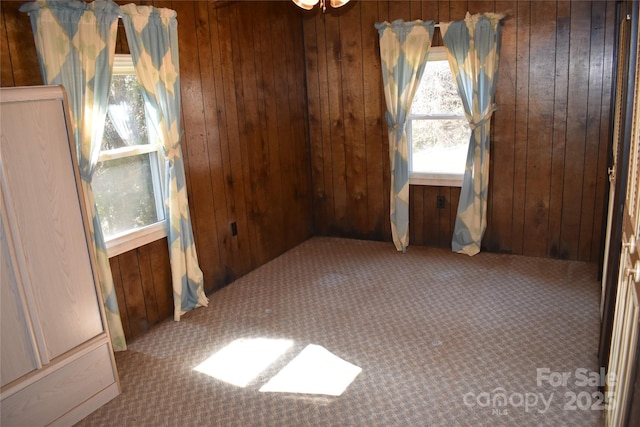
124, 194
126, 123
439, 146
437, 92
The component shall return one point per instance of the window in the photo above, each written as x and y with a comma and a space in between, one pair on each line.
127, 180
437, 130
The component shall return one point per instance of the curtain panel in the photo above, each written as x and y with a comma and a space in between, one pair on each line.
404, 48
75, 42
152, 35
473, 46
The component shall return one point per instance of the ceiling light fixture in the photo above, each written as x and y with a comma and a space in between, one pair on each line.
308, 4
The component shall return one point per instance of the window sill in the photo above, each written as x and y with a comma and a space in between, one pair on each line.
135, 238
436, 180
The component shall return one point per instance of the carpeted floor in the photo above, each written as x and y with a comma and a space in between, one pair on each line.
442, 340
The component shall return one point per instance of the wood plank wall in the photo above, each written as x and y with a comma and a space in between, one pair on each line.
550, 134
245, 143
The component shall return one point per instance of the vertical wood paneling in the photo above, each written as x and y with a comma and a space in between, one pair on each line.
443, 13
212, 252
243, 156
269, 113
502, 172
373, 140
119, 291
6, 75
521, 137
457, 9
134, 302
231, 73
294, 152
451, 204
322, 201
415, 10
24, 62
250, 114
148, 289
594, 114
548, 138
122, 46
432, 216
577, 110
219, 160
399, 9
336, 120
195, 147
142, 282
480, 6
416, 216
561, 87
446, 216
539, 127
22, 49
161, 277
319, 128
251, 155
353, 104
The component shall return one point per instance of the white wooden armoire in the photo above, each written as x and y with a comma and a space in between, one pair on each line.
57, 363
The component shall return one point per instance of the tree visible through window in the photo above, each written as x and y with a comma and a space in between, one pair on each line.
437, 130
127, 181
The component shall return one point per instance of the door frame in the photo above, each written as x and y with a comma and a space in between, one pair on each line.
623, 9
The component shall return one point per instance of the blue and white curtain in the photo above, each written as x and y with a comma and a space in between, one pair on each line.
473, 46
404, 47
76, 43
152, 35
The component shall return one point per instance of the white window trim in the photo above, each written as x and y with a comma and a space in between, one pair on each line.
137, 237
436, 53
436, 179
119, 153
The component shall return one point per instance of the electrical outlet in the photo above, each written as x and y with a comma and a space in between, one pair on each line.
440, 201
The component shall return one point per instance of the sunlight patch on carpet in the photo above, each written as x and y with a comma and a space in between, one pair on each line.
314, 371
244, 359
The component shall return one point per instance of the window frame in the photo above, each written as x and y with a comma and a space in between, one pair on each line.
137, 237
436, 53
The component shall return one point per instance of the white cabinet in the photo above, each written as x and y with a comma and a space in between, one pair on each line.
57, 363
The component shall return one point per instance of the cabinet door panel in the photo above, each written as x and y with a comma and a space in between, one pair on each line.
14, 326
71, 385
56, 270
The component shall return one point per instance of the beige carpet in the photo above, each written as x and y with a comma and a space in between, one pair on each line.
439, 337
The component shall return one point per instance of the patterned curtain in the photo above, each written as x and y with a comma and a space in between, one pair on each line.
152, 35
76, 43
473, 47
404, 47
